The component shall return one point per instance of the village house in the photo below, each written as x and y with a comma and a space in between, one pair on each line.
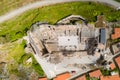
115, 77
116, 33
117, 60
95, 74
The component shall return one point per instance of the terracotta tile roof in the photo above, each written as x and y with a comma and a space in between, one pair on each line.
43, 78
117, 60
115, 77
81, 78
96, 74
63, 76
116, 33
112, 66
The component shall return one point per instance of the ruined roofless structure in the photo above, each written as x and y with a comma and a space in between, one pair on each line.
63, 37
66, 46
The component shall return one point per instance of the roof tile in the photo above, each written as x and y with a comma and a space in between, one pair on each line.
96, 74
115, 77
63, 76
112, 66
117, 60
81, 78
116, 33
43, 78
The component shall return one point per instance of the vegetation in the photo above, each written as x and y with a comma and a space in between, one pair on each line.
34, 63
18, 57
117, 0
18, 50
91, 78
115, 70
115, 41
105, 72
6, 6
16, 28
37, 67
94, 79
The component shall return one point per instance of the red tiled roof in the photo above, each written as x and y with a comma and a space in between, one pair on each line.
117, 60
112, 66
81, 78
43, 78
115, 77
96, 74
63, 76
116, 33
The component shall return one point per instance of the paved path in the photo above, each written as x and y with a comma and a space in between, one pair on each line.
111, 58
44, 3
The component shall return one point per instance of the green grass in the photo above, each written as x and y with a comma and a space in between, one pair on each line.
17, 52
14, 57
34, 63
9, 5
16, 28
94, 79
17, 56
